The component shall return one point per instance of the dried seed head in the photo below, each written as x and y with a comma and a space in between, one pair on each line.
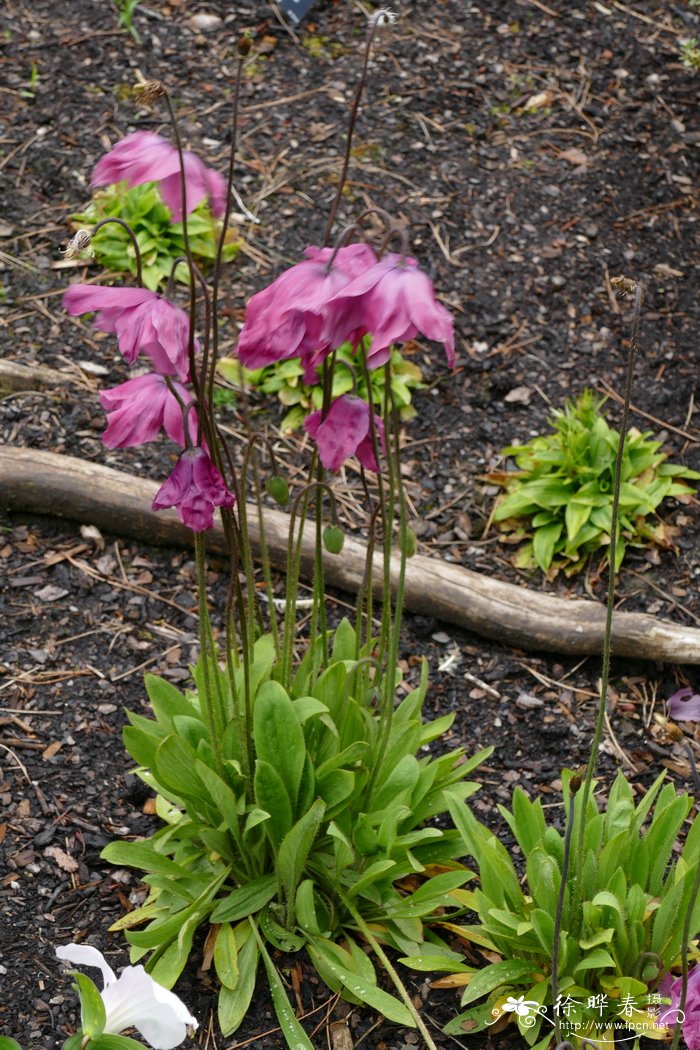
624, 285
79, 244
382, 17
147, 92
675, 732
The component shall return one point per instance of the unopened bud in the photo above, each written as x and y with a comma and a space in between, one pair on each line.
411, 543
278, 489
80, 243
243, 46
333, 539
575, 783
675, 732
147, 92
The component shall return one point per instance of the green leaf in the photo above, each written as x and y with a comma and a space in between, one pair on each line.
93, 1015
296, 846
9, 1044
246, 900
174, 766
234, 1002
271, 795
544, 542
497, 975
114, 1042
142, 855
226, 956
278, 736
366, 991
292, 1031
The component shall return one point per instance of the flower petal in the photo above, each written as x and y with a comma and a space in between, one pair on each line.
136, 1000
86, 955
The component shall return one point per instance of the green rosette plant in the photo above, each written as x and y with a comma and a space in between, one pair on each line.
626, 899
160, 240
559, 500
285, 379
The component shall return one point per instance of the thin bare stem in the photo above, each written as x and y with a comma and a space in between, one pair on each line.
137, 251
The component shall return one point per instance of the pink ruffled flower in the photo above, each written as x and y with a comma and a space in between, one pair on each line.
138, 409
345, 432
292, 316
195, 487
395, 301
690, 1018
142, 320
144, 156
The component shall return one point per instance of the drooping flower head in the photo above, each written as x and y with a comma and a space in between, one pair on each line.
144, 322
195, 487
395, 301
684, 705
144, 156
139, 409
689, 1018
135, 1000
292, 317
345, 432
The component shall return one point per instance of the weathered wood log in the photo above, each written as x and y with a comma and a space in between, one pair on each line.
15, 376
47, 483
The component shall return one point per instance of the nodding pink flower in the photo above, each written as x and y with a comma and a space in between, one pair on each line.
195, 487
395, 302
684, 705
144, 156
142, 320
690, 1017
345, 432
292, 316
138, 409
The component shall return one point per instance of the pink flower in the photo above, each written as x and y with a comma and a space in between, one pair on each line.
395, 302
345, 432
195, 487
690, 1018
292, 316
144, 156
143, 321
139, 408
684, 705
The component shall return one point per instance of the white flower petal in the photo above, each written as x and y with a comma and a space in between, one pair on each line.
86, 955
136, 1000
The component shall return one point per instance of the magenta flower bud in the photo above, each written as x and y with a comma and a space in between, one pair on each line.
139, 409
395, 301
345, 432
144, 156
195, 487
292, 316
142, 320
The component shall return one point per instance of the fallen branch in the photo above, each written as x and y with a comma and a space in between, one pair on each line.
47, 483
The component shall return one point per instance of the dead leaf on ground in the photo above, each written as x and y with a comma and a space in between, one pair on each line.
64, 862
575, 156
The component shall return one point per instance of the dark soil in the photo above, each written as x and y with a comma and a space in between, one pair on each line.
536, 150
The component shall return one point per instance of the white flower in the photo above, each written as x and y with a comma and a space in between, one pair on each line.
382, 17
135, 1000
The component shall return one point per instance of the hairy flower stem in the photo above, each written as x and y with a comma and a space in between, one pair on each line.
137, 251
186, 241
397, 494
354, 109
612, 559
212, 705
574, 785
216, 280
386, 963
